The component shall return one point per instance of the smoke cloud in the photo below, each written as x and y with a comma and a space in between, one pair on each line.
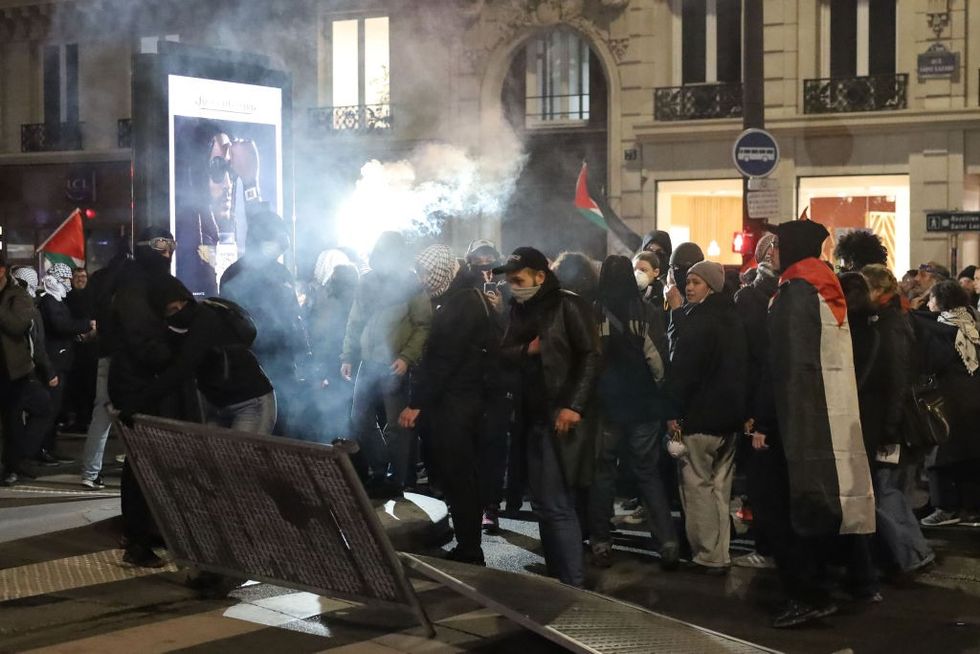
419, 194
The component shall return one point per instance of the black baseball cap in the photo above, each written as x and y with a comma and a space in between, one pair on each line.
523, 258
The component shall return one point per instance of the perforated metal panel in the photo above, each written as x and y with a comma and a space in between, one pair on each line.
578, 620
271, 509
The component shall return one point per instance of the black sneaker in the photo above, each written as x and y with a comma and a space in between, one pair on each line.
94, 484
142, 557
473, 558
670, 557
9, 479
602, 556
46, 459
797, 613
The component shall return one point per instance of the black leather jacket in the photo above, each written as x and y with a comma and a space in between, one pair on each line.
570, 356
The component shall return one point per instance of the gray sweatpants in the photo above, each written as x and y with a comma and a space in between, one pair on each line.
706, 489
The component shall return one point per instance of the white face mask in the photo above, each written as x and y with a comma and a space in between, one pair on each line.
522, 295
642, 280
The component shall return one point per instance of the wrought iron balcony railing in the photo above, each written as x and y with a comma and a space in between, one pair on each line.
124, 133
698, 101
353, 118
48, 137
847, 94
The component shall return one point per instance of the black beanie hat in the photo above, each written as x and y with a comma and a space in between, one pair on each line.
166, 289
799, 240
686, 255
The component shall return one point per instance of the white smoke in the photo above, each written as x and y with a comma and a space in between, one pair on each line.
419, 194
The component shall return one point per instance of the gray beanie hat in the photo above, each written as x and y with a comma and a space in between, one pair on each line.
712, 273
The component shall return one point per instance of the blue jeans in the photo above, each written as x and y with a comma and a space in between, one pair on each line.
98, 429
256, 416
643, 449
898, 528
554, 503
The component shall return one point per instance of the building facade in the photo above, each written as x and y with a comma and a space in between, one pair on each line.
871, 134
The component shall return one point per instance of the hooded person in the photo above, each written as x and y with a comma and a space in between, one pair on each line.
140, 347
809, 398
448, 390
552, 341
681, 260
386, 331
61, 330
631, 407
265, 288
658, 241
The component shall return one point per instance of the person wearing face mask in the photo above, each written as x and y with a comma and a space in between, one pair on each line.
706, 396
265, 288
236, 392
630, 406
139, 348
553, 342
448, 389
386, 330
61, 330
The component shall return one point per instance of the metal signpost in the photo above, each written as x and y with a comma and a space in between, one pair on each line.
756, 155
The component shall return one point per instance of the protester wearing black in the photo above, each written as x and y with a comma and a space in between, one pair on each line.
448, 391
658, 242
61, 330
266, 289
553, 341
17, 312
705, 394
137, 337
681, 260
630, 409
949, 346
82, 380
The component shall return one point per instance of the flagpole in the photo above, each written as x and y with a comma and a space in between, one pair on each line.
63, 223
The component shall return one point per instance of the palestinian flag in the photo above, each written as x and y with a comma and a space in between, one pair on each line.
817, 404
67, 244
603, 216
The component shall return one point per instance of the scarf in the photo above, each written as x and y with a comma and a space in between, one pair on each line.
967, 338
54, 287
326, 263
437, 268
818, 275
27, 275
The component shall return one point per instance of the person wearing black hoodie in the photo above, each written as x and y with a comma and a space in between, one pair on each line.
553, 340
705, 408
658, 242
630, 406
138, 342
448, 390
681, 260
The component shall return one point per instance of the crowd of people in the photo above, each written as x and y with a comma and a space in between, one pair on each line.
485, 378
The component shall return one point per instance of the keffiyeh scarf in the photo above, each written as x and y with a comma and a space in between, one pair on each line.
967, 337
437, 267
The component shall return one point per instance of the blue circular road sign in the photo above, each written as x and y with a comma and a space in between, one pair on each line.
755, 153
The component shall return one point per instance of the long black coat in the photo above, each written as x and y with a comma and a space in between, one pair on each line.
60, 330
706, 379
569, 363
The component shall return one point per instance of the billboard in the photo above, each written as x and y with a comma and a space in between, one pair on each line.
225, 145
211, 141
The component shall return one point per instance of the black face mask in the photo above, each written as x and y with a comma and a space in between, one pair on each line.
183, 318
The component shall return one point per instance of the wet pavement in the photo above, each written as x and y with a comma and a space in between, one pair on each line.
64, 589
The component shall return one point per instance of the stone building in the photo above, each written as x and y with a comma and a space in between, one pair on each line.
648, 92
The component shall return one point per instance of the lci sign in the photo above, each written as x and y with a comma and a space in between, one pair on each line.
937, 61
80, 185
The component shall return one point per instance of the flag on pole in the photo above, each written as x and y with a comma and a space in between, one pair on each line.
66, 244
603, 215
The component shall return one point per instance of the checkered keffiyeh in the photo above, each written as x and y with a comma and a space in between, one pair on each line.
437, 267
60, 270
29, 276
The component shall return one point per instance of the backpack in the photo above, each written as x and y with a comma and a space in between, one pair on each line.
238, 320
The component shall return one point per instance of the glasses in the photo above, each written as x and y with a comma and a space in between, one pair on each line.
218, 168
160, 244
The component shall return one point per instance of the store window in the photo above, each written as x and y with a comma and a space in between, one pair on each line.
557, 79
707, 212
878, 204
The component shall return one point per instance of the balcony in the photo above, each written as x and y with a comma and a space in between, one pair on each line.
360, 118
698, 101
851, 94
50, 137
124, 133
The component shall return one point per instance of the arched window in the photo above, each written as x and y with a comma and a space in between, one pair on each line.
557, 79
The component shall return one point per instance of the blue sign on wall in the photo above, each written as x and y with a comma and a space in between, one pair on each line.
755, 153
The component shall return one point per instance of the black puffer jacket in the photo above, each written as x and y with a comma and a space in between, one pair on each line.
60, 330
706, 379
752, 307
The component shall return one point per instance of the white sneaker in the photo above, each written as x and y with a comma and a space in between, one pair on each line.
940, 518
754, 560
